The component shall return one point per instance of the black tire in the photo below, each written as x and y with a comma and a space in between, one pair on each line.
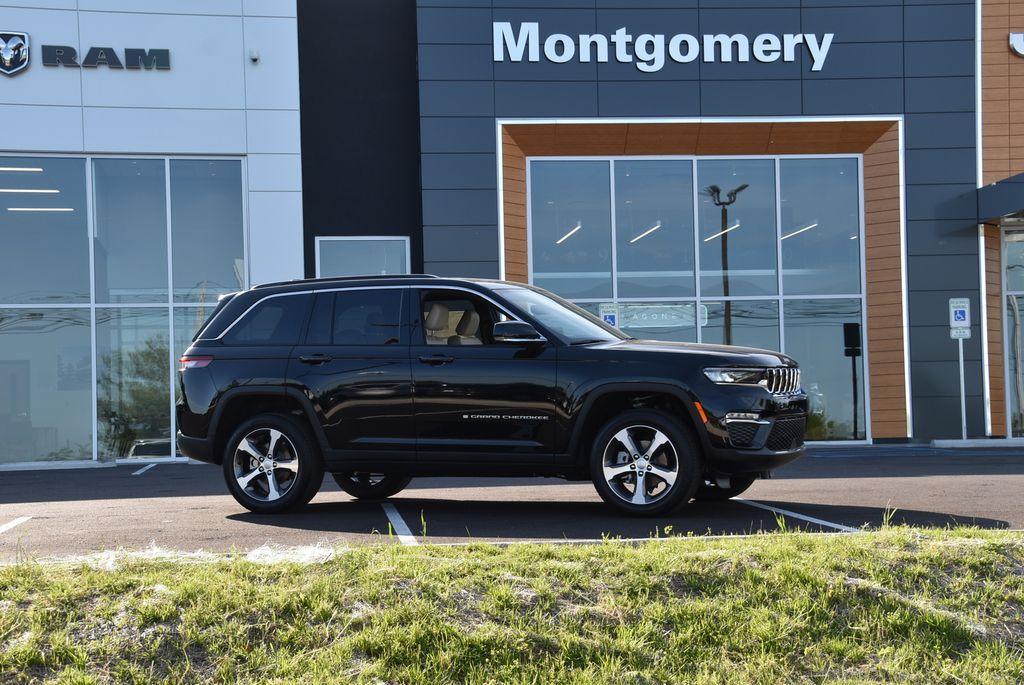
642, 426
370, 486
712, 493
297, 465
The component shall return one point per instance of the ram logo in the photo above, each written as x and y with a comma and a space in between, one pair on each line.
13, 52
1017, 43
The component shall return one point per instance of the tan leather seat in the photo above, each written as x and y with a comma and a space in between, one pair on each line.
467, 332
435, 323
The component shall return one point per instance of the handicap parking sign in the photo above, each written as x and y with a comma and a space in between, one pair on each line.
959, 312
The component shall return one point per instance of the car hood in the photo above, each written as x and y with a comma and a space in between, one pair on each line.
715, 354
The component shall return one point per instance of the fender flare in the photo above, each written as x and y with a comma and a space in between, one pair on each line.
275, 391
593, 392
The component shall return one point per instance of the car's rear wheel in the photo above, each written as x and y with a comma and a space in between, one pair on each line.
271, 464
710, 492
363, 485
645, 463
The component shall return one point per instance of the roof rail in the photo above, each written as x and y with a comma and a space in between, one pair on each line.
330, 279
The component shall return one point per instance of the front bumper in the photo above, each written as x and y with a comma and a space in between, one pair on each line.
770, 434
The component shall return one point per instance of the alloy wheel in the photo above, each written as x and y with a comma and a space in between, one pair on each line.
640, 465
266, 464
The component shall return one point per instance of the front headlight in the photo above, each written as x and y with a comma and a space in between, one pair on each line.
726, 376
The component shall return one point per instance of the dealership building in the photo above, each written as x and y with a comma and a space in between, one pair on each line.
820, 177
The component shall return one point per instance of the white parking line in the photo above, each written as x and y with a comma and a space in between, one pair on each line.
793, 514
145, 468
16, 522
405, 535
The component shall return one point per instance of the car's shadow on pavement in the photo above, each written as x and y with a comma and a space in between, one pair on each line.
447, 520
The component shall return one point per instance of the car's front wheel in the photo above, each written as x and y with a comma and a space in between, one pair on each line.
271, 464
362, 485
645, 463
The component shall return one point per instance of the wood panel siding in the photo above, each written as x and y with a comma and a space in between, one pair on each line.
884, 286
994, 325
1002, 102
877, 141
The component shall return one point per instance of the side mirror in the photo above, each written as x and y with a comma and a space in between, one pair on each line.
517, 332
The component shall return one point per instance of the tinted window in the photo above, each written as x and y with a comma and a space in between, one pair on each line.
275, 321
368, 317
321, 320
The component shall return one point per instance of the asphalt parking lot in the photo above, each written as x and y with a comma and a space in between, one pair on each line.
186, 507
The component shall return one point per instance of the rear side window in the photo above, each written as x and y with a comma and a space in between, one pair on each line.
357, 317
368, 317
275, 321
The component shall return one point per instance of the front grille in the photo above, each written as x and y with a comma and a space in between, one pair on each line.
742, 433
787, 434
782, 380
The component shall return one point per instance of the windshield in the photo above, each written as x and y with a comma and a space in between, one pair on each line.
576, 326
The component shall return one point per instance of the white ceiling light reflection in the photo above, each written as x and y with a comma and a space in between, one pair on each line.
646, 233
578, 226
721, 233
798, 231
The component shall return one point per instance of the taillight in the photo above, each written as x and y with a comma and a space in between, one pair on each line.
188, 362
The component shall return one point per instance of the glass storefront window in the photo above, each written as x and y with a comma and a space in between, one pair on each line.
1015, 357
736, 227
362, 256
654, 228
834, 382
132, 382
130, 207
751, 323
820, 226
206, 229
728, 220
571, 230
48, 357
1013, 254
45, 385
45, 255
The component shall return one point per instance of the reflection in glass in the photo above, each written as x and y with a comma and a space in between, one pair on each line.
673, 321
820, 226
206, 229
133, 394
45, 255
834, 382
1014, 356
1013, 253
751, 323
363, 257
45, 385
570, 205
736, 227
654, 228
131, 230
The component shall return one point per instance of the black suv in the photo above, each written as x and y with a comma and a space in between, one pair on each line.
380, 379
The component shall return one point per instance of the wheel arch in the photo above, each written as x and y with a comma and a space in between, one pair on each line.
603, 401
239, 403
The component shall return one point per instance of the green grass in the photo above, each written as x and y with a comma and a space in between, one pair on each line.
898, 605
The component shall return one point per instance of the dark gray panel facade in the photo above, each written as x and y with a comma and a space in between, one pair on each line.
913, 59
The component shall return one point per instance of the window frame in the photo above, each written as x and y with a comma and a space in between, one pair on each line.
320, 239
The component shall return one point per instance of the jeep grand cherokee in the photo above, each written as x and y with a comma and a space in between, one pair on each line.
377, 380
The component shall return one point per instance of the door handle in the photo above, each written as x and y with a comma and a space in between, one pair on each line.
315, 358
437, 359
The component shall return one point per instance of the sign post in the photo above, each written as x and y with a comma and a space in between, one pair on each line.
960, 330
